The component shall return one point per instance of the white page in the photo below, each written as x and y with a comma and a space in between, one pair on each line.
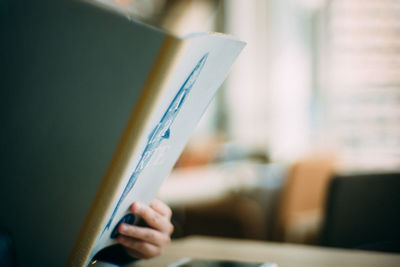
203, 65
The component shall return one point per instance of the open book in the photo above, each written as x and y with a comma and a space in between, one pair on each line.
97, 108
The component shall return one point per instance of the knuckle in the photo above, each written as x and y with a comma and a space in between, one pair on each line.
169, 213
150, 252
155, 219
142, 210
147, 214
149, 235
131, 231
170, 229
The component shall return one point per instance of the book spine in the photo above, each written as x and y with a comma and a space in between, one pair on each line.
107, 193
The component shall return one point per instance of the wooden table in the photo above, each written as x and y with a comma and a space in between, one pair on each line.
285, 255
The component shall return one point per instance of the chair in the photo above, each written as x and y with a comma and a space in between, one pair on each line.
363, 211
302, 199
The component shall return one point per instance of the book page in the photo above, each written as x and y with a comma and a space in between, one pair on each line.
200, 69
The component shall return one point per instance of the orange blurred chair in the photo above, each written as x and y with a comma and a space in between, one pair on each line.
302, 199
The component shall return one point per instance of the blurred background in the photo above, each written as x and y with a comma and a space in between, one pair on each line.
302, 142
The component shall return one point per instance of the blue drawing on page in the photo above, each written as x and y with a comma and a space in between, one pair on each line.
160, 132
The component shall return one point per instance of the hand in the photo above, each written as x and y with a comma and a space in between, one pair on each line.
147, 242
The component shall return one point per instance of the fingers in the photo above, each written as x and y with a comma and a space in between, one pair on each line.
144, 234
153, 217
139, 249
161, 208
147, 242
